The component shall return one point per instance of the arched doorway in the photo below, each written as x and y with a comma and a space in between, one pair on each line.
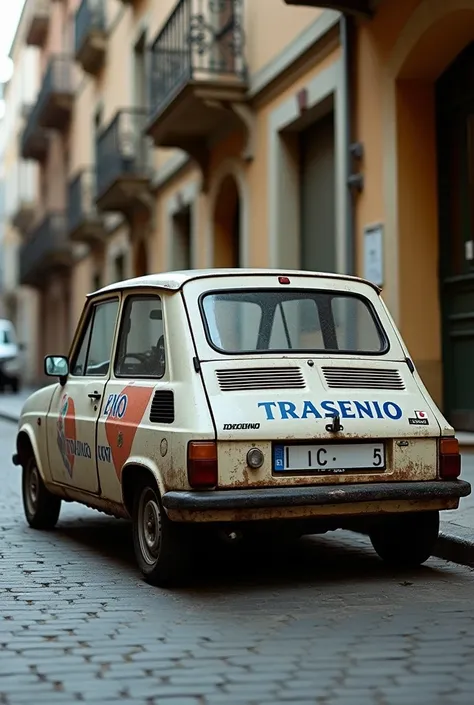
227, 221
141, 259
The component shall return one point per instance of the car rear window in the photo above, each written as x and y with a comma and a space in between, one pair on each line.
250, 321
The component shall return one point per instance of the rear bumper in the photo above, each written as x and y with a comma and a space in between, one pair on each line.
287, 497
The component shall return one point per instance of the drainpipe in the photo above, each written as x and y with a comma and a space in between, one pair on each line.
345, 40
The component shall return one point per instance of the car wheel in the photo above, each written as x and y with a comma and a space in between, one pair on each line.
406, 540
41, 507
160, 547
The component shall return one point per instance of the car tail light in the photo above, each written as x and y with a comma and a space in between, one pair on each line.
449, 458
202, 464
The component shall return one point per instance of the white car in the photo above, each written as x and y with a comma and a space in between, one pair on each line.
10, 357
243, 400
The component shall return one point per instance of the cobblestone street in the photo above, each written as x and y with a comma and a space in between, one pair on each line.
327, 623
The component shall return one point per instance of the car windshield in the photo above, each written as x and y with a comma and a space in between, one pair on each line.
270, 321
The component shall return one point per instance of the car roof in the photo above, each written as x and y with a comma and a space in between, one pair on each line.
174, 281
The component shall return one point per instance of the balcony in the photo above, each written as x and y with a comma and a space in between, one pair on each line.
24, 196
52, 108
90, 38
197, 69
55, 100
34, 140
38, 22
84, 222
124, 163
362, 8
46, 250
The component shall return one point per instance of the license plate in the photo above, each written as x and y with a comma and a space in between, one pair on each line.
329, 459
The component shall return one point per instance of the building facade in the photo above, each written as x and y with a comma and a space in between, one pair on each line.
166, 135
192, 133
20, 303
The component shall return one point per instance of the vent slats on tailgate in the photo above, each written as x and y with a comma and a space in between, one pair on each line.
260, 378
362, 378
162, 407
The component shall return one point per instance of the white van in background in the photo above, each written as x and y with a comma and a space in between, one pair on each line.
10, 357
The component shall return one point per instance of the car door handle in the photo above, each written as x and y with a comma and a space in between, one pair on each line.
95, 396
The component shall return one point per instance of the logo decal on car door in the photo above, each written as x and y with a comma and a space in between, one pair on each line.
124, 413
66, 432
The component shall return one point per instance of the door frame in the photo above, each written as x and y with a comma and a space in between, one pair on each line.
452, 107
87, 381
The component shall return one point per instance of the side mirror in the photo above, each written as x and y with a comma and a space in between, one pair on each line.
56, 366
21, 347
156, 314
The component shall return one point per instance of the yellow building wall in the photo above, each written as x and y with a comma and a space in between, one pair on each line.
399, 56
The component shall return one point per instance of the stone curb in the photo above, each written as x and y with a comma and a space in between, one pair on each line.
11, 417
455, 544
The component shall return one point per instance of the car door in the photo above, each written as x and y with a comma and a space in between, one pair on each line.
75, 406
139, 376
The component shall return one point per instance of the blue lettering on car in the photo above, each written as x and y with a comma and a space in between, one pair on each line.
287, 410
116, 406
329, 408
104, 454
80, 449
309, 408
345, 407
268, 408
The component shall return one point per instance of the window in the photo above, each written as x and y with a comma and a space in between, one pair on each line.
93, 357
119, 268
141, 346
182, 239
96, 282
316, 321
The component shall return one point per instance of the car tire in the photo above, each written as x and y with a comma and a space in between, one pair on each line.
40, 506
406, 540
160, 545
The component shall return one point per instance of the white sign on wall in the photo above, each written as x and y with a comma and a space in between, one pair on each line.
373, 254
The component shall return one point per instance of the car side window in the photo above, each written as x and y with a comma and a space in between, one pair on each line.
93, 358
141, 344
79, 363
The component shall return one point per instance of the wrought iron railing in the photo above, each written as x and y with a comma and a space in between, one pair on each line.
89, 16
31, 123
122, 148
49, 238
30, 115
81, 199
58, 78
202, 39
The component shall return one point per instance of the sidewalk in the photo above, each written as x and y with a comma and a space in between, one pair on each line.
11, 404
456, 542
